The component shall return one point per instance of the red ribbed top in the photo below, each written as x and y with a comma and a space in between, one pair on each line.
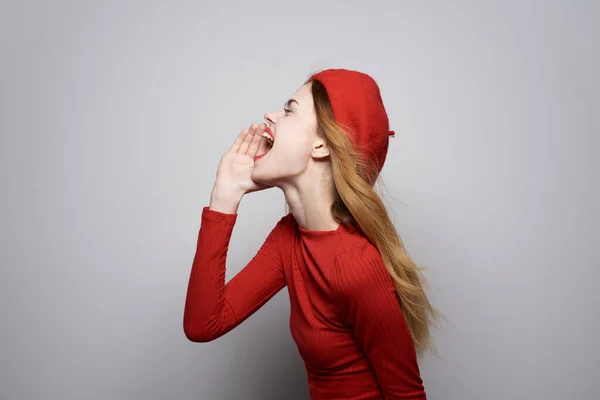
345, 317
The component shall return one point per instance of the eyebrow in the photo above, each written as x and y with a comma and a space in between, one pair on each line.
290, 101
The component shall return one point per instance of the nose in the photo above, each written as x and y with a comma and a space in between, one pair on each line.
270, 118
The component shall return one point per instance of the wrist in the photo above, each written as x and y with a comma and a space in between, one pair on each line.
225, 199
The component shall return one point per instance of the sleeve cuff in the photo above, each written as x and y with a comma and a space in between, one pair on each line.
218, 216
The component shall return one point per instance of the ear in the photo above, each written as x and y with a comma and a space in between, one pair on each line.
320, 149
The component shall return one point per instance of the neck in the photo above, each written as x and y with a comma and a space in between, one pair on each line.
310, 197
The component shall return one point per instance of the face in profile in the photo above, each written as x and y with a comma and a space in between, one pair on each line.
294, 130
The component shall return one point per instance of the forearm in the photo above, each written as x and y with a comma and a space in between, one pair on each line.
212, 307
205, 309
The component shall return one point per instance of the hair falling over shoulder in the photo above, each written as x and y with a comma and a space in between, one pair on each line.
358, 203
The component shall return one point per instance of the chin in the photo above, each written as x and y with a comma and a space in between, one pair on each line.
261, 177
271, 172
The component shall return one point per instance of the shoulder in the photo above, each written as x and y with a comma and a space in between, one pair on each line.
282, 231
274, 244
360, 269
285, 224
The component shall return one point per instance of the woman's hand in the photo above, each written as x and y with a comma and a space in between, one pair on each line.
235, 168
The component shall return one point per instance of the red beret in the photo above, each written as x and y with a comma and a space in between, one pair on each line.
358, 108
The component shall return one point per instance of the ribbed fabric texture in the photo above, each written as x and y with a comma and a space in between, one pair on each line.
345, 317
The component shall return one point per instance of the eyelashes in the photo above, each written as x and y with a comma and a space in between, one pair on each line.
287, 111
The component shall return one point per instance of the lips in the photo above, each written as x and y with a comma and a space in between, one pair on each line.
270, 132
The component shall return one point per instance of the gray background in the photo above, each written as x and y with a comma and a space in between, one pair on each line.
114, 115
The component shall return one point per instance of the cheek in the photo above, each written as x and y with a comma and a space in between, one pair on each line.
289, 159
295, 150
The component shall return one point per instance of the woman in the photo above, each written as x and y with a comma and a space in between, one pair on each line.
359, 315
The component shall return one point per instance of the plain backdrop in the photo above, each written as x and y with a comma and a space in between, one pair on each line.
114, 115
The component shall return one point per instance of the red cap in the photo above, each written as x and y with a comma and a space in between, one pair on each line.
358, 108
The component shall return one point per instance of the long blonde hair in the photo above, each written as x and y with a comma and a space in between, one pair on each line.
357, 203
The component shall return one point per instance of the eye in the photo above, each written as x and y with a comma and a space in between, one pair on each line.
287, 111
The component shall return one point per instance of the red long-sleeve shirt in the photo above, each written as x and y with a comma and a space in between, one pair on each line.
345, 317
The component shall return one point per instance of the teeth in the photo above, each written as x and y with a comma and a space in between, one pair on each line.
266, 134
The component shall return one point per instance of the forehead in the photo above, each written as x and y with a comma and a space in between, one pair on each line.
303, 96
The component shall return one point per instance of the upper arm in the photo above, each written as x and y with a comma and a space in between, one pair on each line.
379, 325
257, 282
212, 307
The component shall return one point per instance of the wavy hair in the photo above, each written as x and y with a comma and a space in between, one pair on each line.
358, 204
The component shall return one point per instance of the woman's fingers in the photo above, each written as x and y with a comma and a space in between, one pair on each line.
248, 139
263, 147
254, 144
235, 147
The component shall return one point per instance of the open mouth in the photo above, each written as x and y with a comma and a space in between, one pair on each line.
268, 134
